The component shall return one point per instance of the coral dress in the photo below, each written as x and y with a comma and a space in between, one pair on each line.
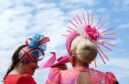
70, 76
19, 79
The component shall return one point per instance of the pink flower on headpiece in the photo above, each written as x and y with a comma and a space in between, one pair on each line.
92, 32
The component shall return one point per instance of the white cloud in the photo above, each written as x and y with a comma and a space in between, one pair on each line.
5, 60
18, 23
117, 42
120, 5
70, 5
88, 2
120, 63
5, 4
125, 2
124, 26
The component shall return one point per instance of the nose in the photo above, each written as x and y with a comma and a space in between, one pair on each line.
36, 65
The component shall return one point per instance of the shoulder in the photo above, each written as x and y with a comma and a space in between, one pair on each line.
96, 72
54, 76
26, 79
55, 70
54, 73
110, 74
19, 79
12, 78
110, 77
103, 74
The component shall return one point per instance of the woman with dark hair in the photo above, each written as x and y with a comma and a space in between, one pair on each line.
25, 61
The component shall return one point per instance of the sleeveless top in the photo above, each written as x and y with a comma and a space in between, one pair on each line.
70, 76
19, 79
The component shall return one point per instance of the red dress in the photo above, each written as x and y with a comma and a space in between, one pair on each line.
19, 79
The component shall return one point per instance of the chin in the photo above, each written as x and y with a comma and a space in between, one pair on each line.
32, 74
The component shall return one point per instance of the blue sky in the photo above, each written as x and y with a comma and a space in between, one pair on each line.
20, 19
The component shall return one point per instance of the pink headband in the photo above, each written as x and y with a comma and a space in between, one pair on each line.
69, 40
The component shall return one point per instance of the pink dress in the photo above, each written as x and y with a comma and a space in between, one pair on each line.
70, 76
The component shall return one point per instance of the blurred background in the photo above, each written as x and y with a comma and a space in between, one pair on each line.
20, 19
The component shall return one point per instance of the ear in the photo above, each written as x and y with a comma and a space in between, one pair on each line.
72, 60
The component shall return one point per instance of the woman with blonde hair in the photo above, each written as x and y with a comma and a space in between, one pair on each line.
83, 46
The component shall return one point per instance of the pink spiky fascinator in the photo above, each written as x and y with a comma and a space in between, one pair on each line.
95, 32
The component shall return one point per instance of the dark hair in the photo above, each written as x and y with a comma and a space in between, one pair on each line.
15, 61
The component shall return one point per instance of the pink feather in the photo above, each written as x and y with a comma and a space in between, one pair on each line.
50, 62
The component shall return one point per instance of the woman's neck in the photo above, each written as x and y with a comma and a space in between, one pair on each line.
17, 71
84, 65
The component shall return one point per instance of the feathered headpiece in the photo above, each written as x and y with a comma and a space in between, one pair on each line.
93, 31
52, 61
34, 49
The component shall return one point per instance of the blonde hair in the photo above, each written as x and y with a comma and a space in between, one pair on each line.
84, 49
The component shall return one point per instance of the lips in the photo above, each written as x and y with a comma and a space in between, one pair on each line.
33, 70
